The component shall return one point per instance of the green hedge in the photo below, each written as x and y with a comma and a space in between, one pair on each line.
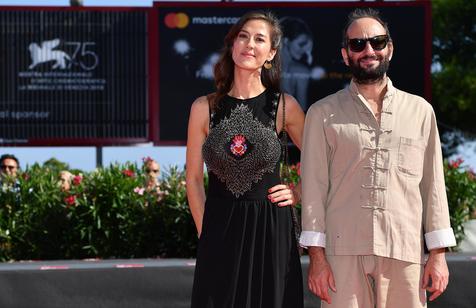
461, 192
108, 214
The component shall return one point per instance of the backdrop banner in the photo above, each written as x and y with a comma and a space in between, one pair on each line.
71, 76
190, 37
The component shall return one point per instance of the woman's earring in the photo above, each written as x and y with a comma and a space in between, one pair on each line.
267, 65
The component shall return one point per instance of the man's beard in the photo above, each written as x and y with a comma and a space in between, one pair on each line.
369, 75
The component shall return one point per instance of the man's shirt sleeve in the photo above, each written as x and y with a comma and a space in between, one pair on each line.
315, 178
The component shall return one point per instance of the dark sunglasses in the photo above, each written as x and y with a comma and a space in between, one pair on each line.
378, 42
5, 167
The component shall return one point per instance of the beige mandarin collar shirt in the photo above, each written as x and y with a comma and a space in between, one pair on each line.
371, 189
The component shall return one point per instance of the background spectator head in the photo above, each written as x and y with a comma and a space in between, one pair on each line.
297, 39
152, 171
65, 178
9, 165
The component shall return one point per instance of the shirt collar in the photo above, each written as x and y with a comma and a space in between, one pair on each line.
387, 104
387, 99
390, 88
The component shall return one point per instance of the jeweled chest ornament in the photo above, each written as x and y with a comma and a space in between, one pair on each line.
238, 145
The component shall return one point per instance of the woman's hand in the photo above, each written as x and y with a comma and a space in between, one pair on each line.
283, 195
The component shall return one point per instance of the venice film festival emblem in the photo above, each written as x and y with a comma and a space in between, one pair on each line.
48, 52
61, 65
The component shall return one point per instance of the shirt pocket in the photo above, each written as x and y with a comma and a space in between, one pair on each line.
410, 156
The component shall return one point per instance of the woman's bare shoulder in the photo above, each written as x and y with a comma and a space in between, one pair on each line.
201, 104
202, 100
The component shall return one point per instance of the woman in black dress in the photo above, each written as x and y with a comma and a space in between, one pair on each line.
247, 254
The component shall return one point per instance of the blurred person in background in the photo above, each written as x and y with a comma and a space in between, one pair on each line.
65, 179
9, 165
152, 172
9, 182
296, 58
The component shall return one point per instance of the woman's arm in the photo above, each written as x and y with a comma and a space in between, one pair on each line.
197, 132
294, 126
294, 120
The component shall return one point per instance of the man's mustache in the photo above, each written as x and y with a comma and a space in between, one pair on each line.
374, 57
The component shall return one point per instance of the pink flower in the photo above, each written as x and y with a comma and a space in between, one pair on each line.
77, 180
471, 174
128, 173
146, 159
298, 167
160, 194
25, 176
139, 190
70, 200
455, 164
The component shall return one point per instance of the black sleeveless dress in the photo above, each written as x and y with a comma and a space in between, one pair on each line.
247, 255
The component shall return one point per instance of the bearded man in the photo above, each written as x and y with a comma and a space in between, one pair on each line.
373, 184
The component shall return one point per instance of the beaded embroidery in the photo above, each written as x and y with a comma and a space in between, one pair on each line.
240, 149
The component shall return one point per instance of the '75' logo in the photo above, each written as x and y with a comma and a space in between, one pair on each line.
82, 55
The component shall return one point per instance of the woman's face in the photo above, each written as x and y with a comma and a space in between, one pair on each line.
65, 181
252, 45
300, 46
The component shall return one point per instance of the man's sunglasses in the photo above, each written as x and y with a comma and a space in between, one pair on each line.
378, 42
5, 167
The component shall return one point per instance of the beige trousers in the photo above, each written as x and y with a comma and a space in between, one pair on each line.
376, 282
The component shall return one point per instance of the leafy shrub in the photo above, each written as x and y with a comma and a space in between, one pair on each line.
107, 213
461, 192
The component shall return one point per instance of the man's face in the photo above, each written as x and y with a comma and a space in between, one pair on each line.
9, 167
370, 64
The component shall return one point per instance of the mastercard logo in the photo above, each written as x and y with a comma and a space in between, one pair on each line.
176, 20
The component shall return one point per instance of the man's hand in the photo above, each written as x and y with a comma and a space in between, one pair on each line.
436, 270
320, 277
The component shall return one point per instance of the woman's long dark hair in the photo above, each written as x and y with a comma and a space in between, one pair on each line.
224, 68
